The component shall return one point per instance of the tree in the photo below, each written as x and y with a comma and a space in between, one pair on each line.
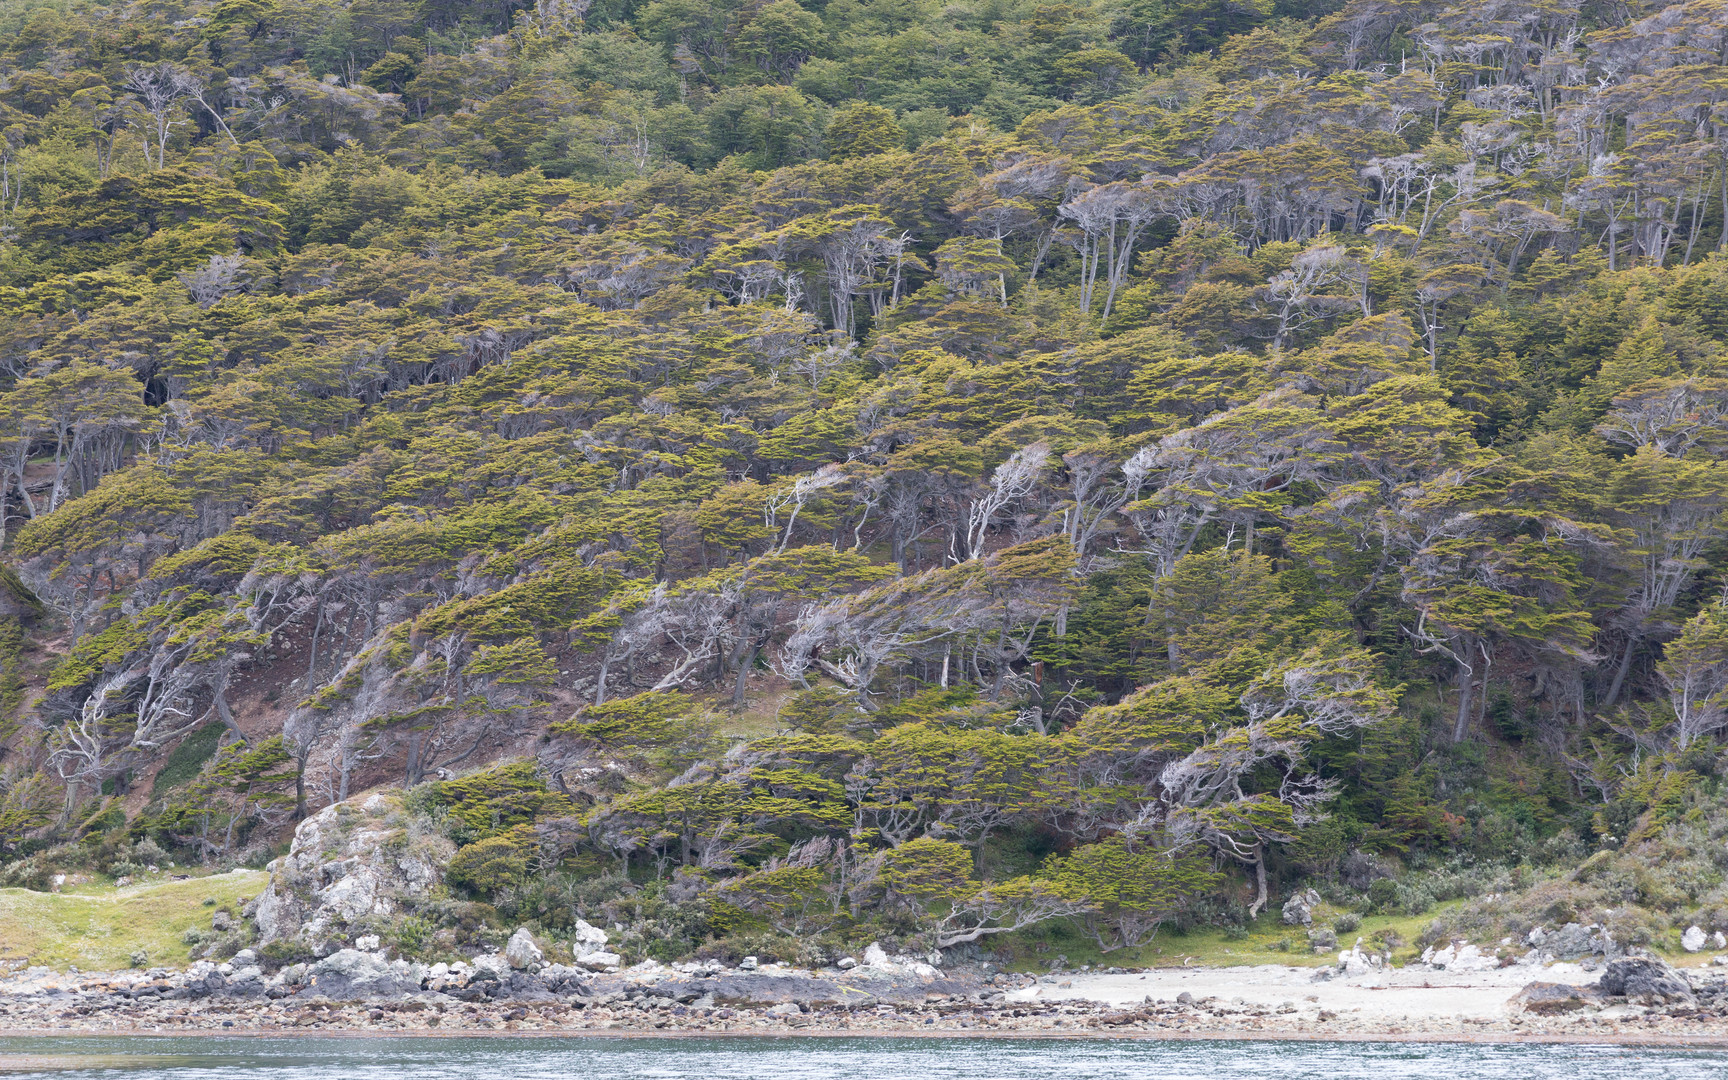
1211, 796
1111, 218
1672, 510
1694, 671
935, 874
1130, 891
1481, 577
157, 90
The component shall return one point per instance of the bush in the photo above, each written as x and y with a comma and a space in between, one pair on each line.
188, 758
280, 954
489, 803
490, 866
411, 934
664, 727
36, 872
1347, 923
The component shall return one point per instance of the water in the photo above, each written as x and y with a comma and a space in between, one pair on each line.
291, 1058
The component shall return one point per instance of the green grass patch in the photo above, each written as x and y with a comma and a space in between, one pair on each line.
183, 764
99, 927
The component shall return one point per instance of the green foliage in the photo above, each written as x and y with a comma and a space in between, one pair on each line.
188, 758
1130, 891
666, 727
495, 801
950, 390
927, 869
12, 684
862, 129
491, 865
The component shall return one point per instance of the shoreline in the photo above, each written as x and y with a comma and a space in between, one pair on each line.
1555, 1003
1716, 1041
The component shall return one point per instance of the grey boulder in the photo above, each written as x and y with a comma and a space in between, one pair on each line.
349, 975
1645, 979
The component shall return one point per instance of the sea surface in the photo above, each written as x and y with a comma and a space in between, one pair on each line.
294, 1058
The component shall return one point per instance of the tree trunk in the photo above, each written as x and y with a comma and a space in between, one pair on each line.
1259, 903
1466, 681
744, 667
600, 688
1624, 666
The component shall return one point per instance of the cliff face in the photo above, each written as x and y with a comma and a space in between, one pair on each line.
349, 862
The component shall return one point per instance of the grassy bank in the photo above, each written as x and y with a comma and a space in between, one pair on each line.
100, 928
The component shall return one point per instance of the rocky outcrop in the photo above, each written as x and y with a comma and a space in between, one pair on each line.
1575, 942
1299, 909
349, 975
1553, 999
522, 952
589, 945
1646, 980
348, 861
1458, 956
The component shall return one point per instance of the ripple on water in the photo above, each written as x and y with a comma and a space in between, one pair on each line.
218, 1058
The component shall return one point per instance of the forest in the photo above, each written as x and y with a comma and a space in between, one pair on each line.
831, 470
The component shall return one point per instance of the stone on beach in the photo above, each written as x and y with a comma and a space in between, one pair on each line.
521, 951
1550, 998
1645, 979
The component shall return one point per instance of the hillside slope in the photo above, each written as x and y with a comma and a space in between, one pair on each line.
789, 474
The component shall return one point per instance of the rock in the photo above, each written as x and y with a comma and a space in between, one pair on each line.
1322, 939
1299, 909
1693, 939
1184, 998
490, 966
1550, 999
1644, 979
521, 951
846, 963
366, 943
1719, 940
763, 988
749, 963
784, 1009
1459, 957
599, 961
585, 934
1574, 942
875, 957
349, 974
1360, 871
1353, 961
221, 922
347, 862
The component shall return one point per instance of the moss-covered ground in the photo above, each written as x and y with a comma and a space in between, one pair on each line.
99, 928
